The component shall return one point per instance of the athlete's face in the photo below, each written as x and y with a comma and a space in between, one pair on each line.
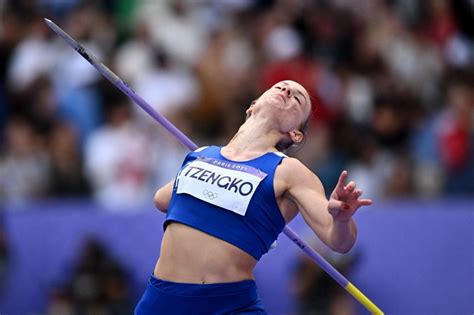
289, 101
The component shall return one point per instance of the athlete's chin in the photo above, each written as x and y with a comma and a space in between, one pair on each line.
275, 102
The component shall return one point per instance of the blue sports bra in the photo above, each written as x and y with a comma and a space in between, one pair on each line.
233, 201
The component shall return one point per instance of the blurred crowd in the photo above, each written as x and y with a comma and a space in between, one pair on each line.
97, 285
392, 83
314, 291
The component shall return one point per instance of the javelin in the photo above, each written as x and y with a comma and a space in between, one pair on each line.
125, 88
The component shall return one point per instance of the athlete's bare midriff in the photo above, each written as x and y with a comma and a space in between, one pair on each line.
191, 256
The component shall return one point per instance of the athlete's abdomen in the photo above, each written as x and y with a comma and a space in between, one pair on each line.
191, 256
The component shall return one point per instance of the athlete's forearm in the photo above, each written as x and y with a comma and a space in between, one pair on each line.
342, 235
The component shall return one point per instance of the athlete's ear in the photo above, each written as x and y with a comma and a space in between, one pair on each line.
296, 136
249, 110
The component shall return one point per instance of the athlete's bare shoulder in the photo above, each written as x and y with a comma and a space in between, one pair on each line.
293, 172
292, 164
290, 169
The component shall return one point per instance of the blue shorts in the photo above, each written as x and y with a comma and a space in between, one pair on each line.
170, 298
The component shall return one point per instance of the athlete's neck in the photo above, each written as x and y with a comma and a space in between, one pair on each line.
253, 138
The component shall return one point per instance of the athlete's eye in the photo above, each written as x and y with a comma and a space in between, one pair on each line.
298, 100
277, 87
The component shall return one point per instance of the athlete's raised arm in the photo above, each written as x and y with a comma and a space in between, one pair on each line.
331, 219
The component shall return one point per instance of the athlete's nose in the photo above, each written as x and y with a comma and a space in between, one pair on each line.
287, 91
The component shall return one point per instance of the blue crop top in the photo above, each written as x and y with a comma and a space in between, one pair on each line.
233, 201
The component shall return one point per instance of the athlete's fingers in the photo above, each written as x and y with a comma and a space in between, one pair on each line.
342, 179
357, 193
340, 186
350, 187
365, 202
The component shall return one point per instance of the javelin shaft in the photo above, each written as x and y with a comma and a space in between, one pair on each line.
125, 88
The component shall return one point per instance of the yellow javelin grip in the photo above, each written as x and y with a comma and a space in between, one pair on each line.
363, 299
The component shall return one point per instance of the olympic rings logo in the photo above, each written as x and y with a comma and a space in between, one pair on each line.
209, 194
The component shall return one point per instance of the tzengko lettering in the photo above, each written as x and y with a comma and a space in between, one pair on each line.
233, 184
229, 186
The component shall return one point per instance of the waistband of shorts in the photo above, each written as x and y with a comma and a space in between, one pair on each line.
246, 287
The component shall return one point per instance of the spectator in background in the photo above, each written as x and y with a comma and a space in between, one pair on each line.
66, 177
217, 113
23, 164
41, 104
369, 166
117, 159
460, 47
29, 61
135, 55
168, 88
316, 292
455, 136
177, 27
99, 286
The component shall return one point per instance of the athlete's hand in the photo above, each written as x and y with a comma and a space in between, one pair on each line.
344, 200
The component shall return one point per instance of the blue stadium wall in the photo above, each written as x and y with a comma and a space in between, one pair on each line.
414, 257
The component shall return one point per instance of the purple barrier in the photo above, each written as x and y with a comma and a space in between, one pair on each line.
416, 257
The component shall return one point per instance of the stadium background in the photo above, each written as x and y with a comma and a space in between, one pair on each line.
393, 85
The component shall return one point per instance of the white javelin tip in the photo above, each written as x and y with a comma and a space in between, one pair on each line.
53, 26
49, 22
